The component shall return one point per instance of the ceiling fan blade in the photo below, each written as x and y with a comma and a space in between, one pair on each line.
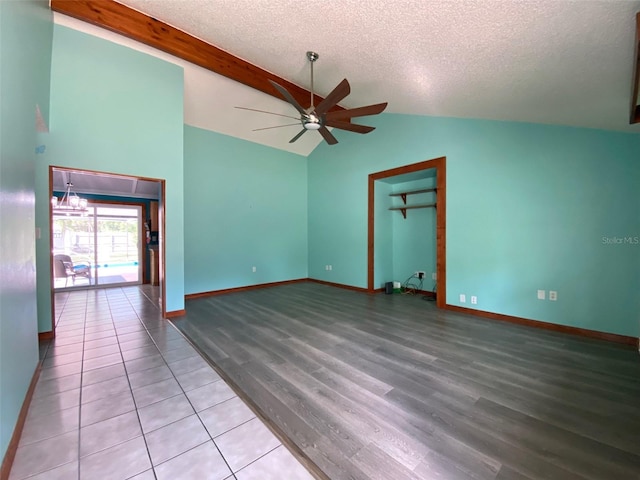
351, 127
288, 97
342, 90
277, 126
357, 112
264, 111
328, 136
298, 135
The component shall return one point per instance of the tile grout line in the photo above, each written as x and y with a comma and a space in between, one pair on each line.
222, 379
43, 357
164, 321
197, 413
144, 438
91, 318
84, 333
254, 417
261, 456
48, 350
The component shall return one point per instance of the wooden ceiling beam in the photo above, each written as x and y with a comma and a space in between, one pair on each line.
138, 26
635, 108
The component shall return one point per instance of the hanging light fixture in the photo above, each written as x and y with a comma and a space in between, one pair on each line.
70, 203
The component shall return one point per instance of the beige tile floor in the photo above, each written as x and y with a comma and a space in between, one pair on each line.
122, 395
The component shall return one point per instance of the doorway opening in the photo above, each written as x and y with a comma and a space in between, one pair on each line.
115, 238
439, 165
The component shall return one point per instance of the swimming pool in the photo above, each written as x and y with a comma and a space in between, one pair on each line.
120, 264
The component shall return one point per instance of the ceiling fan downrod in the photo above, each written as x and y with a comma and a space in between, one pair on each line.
312, 56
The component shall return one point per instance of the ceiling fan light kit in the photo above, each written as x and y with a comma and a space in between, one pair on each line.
311, 122
319, 117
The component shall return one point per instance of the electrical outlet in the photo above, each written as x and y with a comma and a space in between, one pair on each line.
553, 295
474, 300
253, 269
330, 267
463, 298
541, 294
434, 276
420, 274
326, 267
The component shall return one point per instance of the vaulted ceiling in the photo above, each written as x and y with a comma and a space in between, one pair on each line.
559, 62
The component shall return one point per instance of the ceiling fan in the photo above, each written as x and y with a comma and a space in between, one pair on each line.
319, 117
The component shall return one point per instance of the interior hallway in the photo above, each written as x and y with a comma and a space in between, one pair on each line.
123, 395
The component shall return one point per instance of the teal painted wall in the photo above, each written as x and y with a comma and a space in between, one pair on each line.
25, 60
114, 110
246, 206
338, 196
527, 209
414, 238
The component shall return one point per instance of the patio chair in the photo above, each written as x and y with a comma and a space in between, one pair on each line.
63, 267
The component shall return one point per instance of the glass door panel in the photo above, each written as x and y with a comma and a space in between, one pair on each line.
118, 257
101, 247
73, 250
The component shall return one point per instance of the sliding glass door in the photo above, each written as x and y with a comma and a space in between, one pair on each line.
101, 247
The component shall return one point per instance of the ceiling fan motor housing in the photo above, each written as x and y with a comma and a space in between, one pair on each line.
311, 122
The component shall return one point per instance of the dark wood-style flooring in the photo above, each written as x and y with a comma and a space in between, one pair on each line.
390, 387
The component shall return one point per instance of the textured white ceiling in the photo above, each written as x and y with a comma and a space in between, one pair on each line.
544, 61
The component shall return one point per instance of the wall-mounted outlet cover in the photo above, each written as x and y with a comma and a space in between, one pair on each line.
434, 276
463, 298
253, 269
553, 295
541, 294
474, 300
